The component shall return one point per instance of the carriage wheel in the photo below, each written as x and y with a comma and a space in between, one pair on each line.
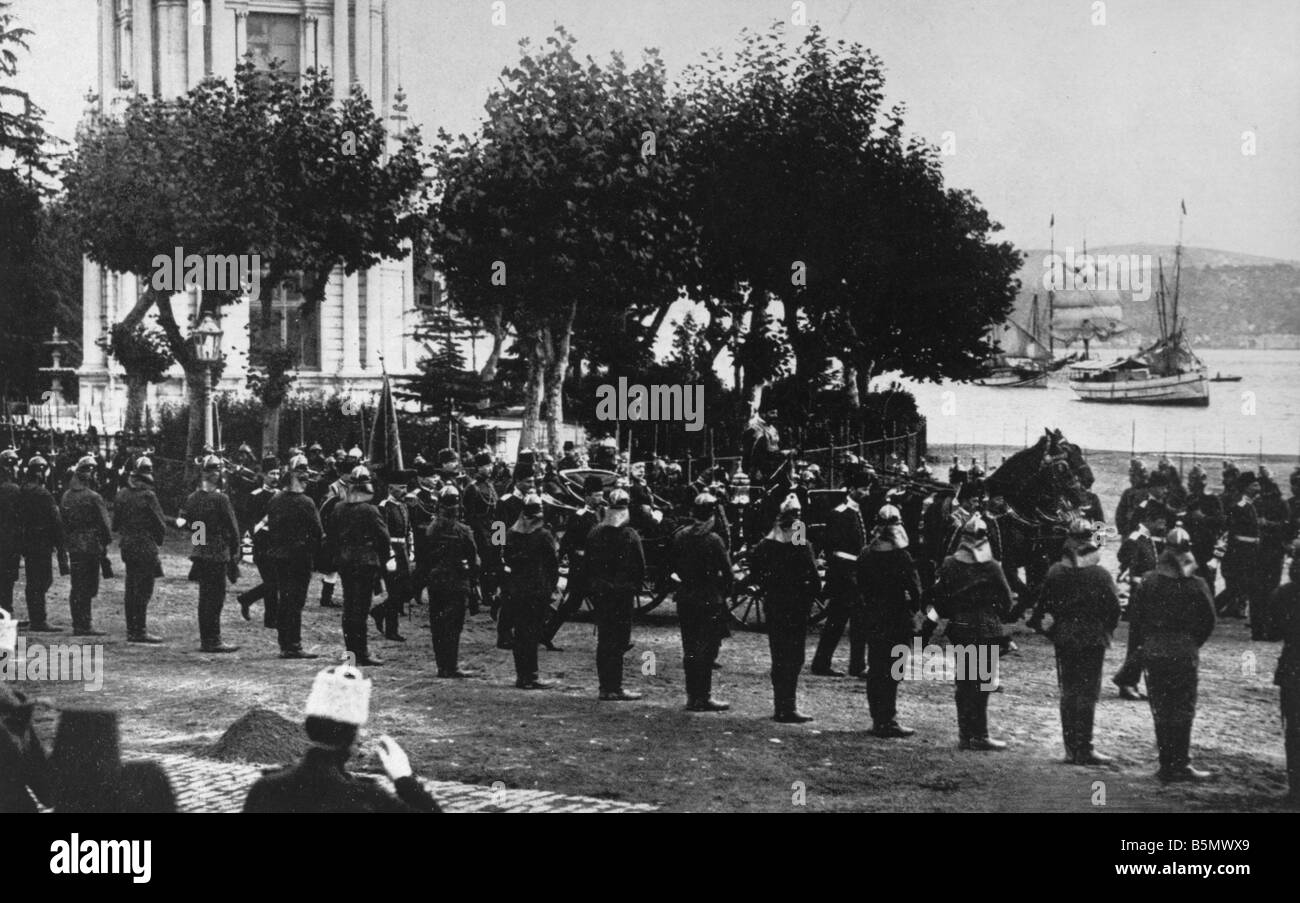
647, 600
746, 607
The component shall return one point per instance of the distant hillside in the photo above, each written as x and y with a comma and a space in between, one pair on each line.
1228, 299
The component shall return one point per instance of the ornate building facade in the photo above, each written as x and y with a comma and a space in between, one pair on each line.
163, 48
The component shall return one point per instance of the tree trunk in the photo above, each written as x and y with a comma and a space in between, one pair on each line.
556, 369
137, 389
271, 429
495, 326
198, 390
534, 387
851, 385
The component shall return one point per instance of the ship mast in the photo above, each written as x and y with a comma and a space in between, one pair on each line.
1051, 339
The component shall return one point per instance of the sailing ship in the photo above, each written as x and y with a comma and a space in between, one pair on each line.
1022, 362
1167, 372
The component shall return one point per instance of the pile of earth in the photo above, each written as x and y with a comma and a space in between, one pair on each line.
261, 736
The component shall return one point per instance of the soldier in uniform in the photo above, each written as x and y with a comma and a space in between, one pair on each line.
294, 532
215, 551
453, 572
787, 574
1241, 559
531, 572
1170, 618
259, 501
336, 493
569, 459
573, 548
9, 554
397, 573
699, 563
889, 591
1273, 541
1203, 519
40, 535
1293, 505
479, 502
614, 570
362, 548
421, 502
1082, 601
845, 537
337, 709
139, 521
1137, 555
1286, 615
1130, 498
972, 592
87, 534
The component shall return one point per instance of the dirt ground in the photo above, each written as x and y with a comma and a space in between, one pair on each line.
175, 699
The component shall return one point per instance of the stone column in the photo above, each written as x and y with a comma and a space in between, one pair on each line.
223, 40
142, 46
241, 34
341, 70
196, 53
351, 323
376, 326
107, 82
363, 56
92, 300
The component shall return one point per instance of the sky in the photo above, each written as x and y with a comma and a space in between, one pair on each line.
1106, 125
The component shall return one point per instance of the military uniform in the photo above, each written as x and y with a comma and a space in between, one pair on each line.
215, 559
87, 534
256, 507
397, 581
1170, 618
1203, 518
1241, 562
532, 570
845, 538
40, 535
700, 561
1286, 612
1273, 541
573, 548
890, 592
138, 519
362, 546
480, 506
453, 569
615, 568
294, 531
1084, 604
787, 574
319, 784
10, 557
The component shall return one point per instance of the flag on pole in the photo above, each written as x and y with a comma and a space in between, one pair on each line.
385, 443
1052, 224
1183, 204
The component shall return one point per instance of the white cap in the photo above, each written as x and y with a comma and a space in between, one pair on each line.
791, 503
340, 694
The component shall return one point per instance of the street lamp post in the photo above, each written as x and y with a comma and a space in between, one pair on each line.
207, 350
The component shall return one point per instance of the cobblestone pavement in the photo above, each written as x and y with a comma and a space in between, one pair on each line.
203, 785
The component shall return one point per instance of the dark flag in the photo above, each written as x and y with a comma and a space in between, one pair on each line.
385, 444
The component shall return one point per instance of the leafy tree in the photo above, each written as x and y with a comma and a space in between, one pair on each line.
23, 141
568, 198
146, 357
807, 196
267, 166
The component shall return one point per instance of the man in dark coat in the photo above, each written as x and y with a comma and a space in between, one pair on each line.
1286, 613
215, 550
1204, 521
255, 510
889, 600
573, 548
9, 554
40, 536
1136, 493
972, 592
339, 705
479, 503
532, 568
361, 549
1081, 600
615, 568
1137, 557
87, 533
293, 531
845, 538
1170, 618
397, 573
1273, 541
787, 575
1241, 559
453, 568
699, 563
139, 521
24, 768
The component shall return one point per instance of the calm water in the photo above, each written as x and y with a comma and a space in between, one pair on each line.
1264, 408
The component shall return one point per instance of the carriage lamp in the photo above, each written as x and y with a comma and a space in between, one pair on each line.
207, 340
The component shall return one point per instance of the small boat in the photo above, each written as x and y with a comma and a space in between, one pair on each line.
1021, 362
1220, 378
